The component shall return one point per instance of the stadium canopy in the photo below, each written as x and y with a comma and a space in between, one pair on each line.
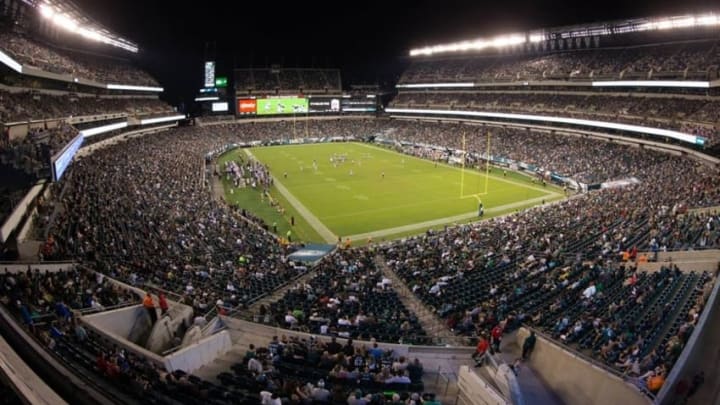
69, 17
574, 31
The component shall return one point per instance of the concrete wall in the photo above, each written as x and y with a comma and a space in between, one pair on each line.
695, 266
120, 322
696, 261
576, 381
19, 212
118, 325
432, 357
27, 385
689, 255
43, 267
161, 337
199, 354
695, 356
475, 391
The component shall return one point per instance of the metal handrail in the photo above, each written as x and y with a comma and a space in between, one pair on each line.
37, 262
438, 340
87, 311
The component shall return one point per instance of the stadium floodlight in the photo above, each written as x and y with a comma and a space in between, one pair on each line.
708, 19
536, 37
652, 83
63, 19
476, 45
47, 11
91, 34
215, 98
65, 22
137, 88
577, 31
438, 85
681, 136
148, 121
10, 62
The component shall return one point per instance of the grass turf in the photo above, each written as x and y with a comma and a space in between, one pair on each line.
411, 191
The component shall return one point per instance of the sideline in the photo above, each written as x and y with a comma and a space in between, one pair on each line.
440, 221
311, 219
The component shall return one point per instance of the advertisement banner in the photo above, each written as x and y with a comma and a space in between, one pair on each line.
246, 106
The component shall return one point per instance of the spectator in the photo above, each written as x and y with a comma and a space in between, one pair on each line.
150, 307
528, 345
481, 350
163, 303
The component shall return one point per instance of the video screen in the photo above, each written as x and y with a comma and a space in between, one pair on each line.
209, 74
61, 161
324, 104
359, 104
284, 105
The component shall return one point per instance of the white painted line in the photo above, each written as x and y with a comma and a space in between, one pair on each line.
311, 219
469, 171
447, 220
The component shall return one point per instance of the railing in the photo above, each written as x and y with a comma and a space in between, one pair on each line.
89, 311
36, 262
447, 377
426, 340
172, 295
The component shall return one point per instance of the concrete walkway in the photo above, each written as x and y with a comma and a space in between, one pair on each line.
431, 323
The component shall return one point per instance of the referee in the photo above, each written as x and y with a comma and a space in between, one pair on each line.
481, 209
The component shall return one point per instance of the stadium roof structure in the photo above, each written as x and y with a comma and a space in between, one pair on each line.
65, 14
708, 20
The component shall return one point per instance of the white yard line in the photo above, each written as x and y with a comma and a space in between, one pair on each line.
330, 237
469, 171
311, 219
447, 220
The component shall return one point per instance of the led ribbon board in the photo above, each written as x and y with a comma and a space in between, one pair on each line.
665, 133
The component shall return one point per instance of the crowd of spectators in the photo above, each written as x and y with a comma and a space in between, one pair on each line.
46, 304
46, 300
26, 106
698, 116
140, 210
524, 268
535, 266
31, 52
687, 60
312, 371
562, 154
348, 297
308, 80
31, 154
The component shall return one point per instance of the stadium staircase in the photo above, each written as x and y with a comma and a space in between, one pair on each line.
430, 321
277, 295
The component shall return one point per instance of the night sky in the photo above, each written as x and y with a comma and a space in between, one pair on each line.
368, 39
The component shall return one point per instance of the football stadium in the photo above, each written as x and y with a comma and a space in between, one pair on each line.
299, 209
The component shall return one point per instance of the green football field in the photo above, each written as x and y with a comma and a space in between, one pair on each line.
372, 192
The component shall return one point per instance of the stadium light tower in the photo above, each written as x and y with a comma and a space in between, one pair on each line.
67, 17
577, 31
